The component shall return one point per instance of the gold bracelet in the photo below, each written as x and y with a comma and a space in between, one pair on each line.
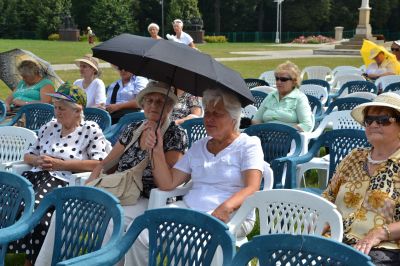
386, 228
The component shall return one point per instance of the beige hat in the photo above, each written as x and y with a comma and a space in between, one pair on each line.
397, 42
159, 87
374, 52
90, 60
387, 99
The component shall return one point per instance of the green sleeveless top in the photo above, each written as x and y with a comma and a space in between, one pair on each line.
30, 93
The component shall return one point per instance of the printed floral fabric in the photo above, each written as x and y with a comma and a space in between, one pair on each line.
184, 105
366, 201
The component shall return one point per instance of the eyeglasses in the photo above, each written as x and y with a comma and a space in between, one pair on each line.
156, 102
382, 120
394, 49
282, 79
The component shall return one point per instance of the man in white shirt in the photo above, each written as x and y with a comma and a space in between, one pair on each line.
121, 95
382, 65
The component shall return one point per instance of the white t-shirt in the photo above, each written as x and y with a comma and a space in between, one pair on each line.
129, 91
185, 38
87, 142
95, 92
217, 178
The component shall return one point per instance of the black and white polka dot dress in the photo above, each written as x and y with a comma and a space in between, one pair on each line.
87, 142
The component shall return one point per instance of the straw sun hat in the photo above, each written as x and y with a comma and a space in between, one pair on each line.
387, 99
374, 52
90, 60
159, 87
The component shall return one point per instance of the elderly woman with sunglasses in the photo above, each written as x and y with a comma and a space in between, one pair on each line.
288, 105
366, 185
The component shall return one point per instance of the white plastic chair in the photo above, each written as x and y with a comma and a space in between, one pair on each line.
383, 82
341, 79
266, 89
290, 211
316, 72
341, 70
363, 68
249, 111
317, 91
14, 141
362, 94
269, 76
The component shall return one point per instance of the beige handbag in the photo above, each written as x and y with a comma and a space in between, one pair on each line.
127, 186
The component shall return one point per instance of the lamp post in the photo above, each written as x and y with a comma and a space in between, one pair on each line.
278, 20
162, 17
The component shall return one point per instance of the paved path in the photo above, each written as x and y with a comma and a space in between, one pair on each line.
303, 52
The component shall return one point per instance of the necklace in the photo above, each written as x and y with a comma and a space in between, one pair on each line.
372, 161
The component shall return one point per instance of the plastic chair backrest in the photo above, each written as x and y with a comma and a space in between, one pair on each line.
36, 115
14, 141
251, 83
340, 80
100, 116
345, 103
357, 86
249, 111
285, 249
182, 236
259, 97
266, 89
317, 91
14, 190
277, 140
319, 82
394, 87
112, 134
269, 76
385, 81
316, 105
3, 110
195, 129
290, 211
346, 70
316, 72
362, 94
82, 215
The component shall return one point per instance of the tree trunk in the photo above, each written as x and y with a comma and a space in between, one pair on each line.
217, 16
260, 24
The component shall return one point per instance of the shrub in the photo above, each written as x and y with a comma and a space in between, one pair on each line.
215, 39
313, 39
54, 37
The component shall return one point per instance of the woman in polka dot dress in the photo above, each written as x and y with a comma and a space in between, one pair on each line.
65, 145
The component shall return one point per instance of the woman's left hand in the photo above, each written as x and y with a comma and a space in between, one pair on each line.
372, 239
19, 102
222, 212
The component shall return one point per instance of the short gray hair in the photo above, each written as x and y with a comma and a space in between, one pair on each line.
29, 68
153, 25
177, 22
230, 100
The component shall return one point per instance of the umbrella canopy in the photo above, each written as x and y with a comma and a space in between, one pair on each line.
369, 49
10, 60
173, 63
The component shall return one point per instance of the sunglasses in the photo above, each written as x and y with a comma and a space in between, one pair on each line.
394, 49
282, 79
382, 120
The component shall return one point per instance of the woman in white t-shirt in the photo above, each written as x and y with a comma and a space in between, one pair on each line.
93, 86
180, 35
225, 168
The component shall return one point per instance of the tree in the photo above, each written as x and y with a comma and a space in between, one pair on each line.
111, 18
182, 9
49, 16
80, 11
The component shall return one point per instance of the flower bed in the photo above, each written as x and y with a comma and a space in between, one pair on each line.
313, 39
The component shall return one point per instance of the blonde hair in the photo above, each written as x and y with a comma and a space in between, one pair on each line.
292, 69
29, 68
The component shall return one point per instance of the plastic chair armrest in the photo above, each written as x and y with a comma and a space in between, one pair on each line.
78, 179
18, 167
158, 198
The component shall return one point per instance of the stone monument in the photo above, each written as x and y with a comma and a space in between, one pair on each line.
194, 27
68, 30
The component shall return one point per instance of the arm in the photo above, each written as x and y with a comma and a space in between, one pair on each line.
192, 45
164, 177
9, 100
100, 95
304, 115
53, 164
195, 112
44, 98
252, 179
111, 108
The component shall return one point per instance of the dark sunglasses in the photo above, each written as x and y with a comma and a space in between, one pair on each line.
282, 79
394, 49
382, 120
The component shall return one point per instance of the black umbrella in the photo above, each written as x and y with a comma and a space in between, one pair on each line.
173, 63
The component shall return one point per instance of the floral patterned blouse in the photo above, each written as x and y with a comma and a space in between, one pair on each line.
184, 105
366, 201
175, 139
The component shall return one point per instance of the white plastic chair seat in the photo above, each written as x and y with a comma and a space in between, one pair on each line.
383, 82
290, 211
316, 72
341, 79
321, 163
342, 70
360, 94
266, 89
